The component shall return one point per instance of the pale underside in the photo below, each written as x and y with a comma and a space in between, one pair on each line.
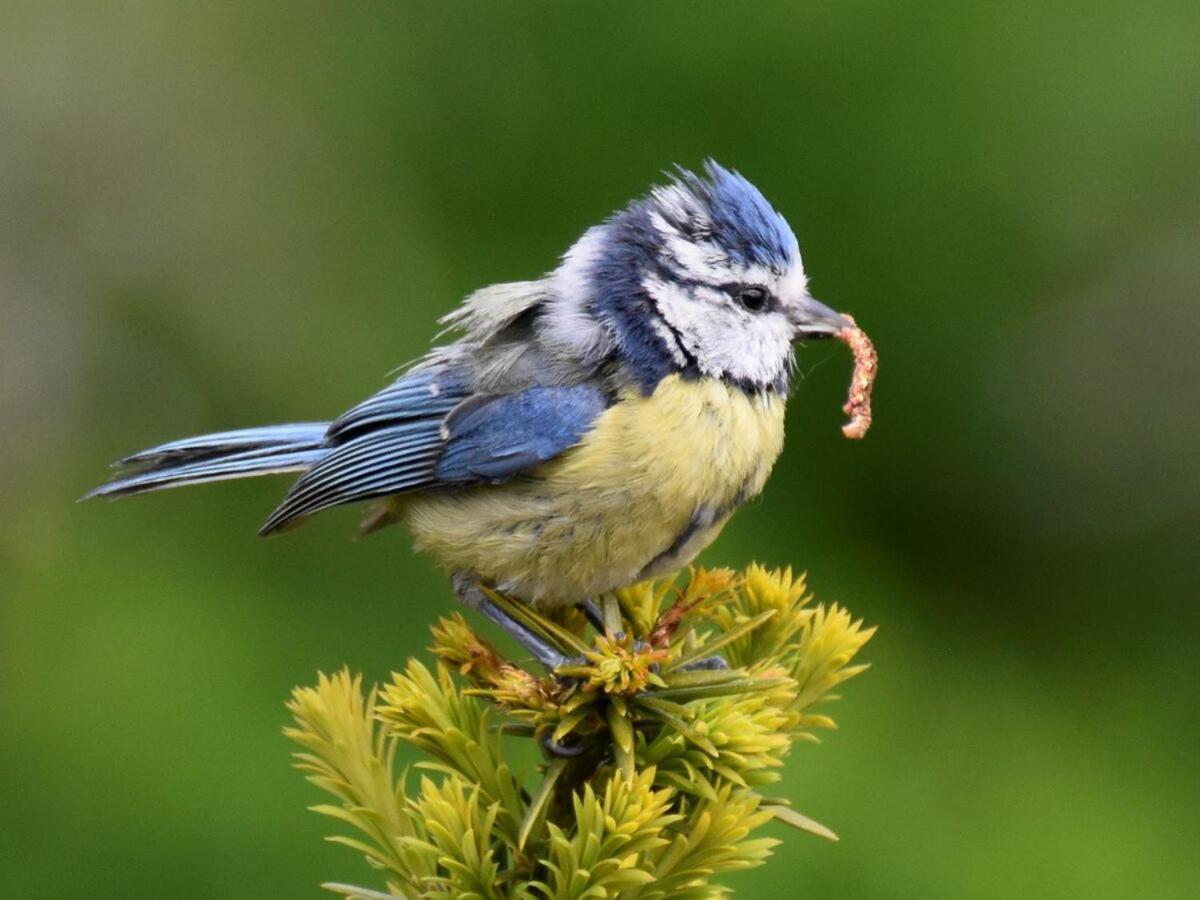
651, 485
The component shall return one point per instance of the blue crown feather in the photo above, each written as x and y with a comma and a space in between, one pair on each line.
728, 210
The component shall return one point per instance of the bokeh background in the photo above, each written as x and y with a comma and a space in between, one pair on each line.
218, 215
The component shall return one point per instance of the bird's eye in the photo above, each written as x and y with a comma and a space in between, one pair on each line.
753, 298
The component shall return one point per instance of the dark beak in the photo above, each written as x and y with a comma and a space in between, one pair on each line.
812, 320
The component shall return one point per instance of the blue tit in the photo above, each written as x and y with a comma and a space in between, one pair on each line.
584, 431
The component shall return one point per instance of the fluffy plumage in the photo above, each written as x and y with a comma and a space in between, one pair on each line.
580, 431
606, 513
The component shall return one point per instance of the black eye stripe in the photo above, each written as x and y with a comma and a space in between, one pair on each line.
753, 297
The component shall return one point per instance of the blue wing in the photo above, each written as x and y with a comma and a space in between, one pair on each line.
491, 439
423, 394
426, 431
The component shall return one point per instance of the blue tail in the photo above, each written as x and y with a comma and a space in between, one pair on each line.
217, 457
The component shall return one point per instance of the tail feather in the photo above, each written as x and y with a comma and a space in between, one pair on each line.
309, 434
218, 457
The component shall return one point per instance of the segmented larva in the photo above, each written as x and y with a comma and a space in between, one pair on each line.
866, 365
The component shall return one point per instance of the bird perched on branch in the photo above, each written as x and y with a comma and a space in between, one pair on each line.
587, 430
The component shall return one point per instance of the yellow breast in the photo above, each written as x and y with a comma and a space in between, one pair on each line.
648, 488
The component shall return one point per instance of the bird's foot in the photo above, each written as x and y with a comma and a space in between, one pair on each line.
472, 596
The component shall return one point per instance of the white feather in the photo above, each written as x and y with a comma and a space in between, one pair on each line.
569, 324
724, 339
489, 309
667, 336
679, 202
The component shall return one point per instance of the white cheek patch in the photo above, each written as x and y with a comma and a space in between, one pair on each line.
725, 340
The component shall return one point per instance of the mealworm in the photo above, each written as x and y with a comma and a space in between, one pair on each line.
866, 365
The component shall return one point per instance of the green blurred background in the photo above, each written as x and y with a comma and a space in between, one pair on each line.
218, 215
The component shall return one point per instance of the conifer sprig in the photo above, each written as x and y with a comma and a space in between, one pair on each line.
656, 740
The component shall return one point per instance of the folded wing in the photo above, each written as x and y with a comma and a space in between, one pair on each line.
425, 432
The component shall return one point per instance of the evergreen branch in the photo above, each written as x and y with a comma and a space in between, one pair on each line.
435, 716
661, 792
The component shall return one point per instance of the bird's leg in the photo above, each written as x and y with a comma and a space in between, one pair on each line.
468, 591
592, 613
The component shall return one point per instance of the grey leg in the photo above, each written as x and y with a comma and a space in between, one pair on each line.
592, 613
467, 589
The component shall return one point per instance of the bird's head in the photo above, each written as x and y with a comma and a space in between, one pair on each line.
700, 275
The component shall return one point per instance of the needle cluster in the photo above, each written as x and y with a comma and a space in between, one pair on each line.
656, 744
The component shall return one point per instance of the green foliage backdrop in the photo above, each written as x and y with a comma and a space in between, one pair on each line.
214, 216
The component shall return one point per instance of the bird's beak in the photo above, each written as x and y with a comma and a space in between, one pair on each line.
811, 319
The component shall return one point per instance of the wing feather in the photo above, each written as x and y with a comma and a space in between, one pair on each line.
421, 394
444, 423
379, 463
493, 441
484, 439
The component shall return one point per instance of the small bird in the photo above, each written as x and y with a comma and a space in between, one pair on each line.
584, 431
